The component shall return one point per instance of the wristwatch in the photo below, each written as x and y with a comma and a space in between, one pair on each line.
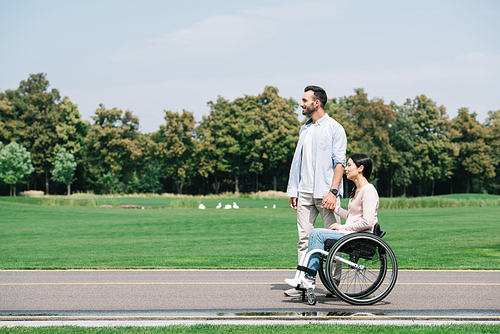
334, 191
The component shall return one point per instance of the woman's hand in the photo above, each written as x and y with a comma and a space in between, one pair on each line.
329, 201
335, 226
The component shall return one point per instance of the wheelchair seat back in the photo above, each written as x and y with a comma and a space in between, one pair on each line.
377, 231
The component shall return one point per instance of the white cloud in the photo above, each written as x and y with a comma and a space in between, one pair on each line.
147, 101
298, 10
222, 36
462, 69
482, 58
469, 80
216, 37
422, 13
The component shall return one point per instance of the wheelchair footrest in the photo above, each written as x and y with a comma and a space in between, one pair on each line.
307, 270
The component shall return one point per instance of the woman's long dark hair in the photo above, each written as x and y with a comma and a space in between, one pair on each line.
361, 159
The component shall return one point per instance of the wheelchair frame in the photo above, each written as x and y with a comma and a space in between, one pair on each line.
369, 268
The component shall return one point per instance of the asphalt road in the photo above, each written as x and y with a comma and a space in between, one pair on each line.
234, 294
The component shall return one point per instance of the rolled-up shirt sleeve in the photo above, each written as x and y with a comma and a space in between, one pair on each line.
339, 147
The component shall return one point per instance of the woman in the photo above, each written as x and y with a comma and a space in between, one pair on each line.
361, 217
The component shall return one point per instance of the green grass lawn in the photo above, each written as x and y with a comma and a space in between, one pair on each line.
249, 329
66, 237
152, 201
245, 201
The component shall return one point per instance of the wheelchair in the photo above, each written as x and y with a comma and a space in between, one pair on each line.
369, 268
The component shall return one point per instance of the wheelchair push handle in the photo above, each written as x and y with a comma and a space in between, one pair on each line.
378, 231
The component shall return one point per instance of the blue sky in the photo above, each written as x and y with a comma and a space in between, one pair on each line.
150, 56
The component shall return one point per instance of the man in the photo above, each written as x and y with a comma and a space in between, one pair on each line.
315, 181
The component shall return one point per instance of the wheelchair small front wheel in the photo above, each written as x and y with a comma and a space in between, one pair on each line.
311, 297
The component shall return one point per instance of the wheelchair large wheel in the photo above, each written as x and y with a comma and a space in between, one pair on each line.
325, 279
321, 273
369, 272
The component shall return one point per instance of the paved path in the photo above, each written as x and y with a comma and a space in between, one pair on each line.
234, 294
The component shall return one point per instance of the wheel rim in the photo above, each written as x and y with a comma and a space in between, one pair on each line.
358, 286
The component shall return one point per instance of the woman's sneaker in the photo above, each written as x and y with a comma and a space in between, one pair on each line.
298, 283
292, 292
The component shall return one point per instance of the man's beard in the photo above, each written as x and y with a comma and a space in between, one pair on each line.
308, 110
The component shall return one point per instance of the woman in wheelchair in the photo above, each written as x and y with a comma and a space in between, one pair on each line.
361, 217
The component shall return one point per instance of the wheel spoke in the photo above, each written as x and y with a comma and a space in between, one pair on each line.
376, 271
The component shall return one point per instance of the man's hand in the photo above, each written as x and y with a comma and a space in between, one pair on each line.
293, 203
329, 201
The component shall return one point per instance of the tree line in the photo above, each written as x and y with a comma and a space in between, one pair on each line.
244, 145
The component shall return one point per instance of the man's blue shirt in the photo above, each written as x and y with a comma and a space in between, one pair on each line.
329, 149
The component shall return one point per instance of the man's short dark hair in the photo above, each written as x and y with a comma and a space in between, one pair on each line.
319, 94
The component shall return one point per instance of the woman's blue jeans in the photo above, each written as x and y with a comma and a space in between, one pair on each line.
317, 239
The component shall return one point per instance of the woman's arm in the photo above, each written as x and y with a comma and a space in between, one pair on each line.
370, 204
365, 219
343, 213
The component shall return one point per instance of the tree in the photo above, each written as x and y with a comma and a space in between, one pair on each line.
64, 168
475, 157
175, 147
433, 152
108, 181
340, 110
205, 150
280, 133
15, 164
113, 147
231, 136
10, 122
40, 115
150, 181
215, 140
34, 116
212, 142
249, 134
71, 133
371, 133
492, 125
402, 134
71, 130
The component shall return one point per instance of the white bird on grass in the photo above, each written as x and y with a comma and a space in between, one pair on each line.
219, 205
227, 206
201, 207
235, 206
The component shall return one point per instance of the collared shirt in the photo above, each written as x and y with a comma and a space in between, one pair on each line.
306, 184
329, 149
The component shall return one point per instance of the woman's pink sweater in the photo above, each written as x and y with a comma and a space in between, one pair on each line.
362, 214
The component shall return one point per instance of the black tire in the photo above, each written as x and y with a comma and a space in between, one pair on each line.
373, 278
324, 277
321, 273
